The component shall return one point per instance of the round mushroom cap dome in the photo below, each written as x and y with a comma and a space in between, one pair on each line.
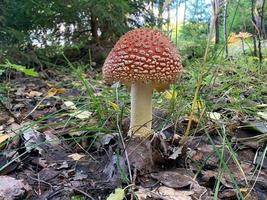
143, 55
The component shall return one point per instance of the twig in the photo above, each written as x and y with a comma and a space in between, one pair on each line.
133, 184
35, 107
82, 192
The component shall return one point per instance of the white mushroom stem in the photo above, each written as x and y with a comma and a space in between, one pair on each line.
141, 110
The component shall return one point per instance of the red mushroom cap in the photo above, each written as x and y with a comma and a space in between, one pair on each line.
143, 55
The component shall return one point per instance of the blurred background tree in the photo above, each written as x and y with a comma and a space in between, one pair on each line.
36, 32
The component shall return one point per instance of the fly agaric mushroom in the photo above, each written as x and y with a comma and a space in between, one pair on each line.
144, 60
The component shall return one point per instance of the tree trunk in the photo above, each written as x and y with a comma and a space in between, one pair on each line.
254, 45
255, 29
225, 14
94, 27
259, 20
168, 21
176, 24
216, 18
185, 7
160, 12
257, 7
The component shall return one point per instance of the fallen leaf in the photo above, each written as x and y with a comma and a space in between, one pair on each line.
32, 139
3, 137
111, 171
47, 174
118, 195
172, 179
172, 194
81, 114
163, 192
263, 115
176, 153
11, 188
34, 94
214, 115
51, 138
106, 138
76, 156
53, 91
76, 133
260, 127
70, 105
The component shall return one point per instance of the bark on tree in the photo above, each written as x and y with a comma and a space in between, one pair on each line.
94, 27
216, 4
185, 7
257, 7
160, 13
176, 23
168, 21
225, 14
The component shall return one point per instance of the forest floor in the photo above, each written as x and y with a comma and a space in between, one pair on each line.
61, 136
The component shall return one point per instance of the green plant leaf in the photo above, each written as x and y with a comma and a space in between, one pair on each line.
20, 68
117, 195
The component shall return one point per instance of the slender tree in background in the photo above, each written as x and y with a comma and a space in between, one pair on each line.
176, 23
160, 13
216, 7
225, 13
168, 20
94, 27
185, 9
257, 8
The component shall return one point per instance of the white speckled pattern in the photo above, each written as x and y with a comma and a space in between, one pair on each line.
143, 55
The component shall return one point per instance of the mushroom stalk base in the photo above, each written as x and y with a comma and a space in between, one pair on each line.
141, 110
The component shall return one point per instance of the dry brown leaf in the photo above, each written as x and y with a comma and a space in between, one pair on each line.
172, 194
11, 188
34, 94
163, 192
76, 156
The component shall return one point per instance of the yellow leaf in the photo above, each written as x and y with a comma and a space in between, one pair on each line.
53, 91
199, 105
60, 90
3, 137
114, 106
170, 94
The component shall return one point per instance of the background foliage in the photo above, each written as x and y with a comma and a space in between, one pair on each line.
36, 32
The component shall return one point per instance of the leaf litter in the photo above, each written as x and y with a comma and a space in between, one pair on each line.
43, 159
